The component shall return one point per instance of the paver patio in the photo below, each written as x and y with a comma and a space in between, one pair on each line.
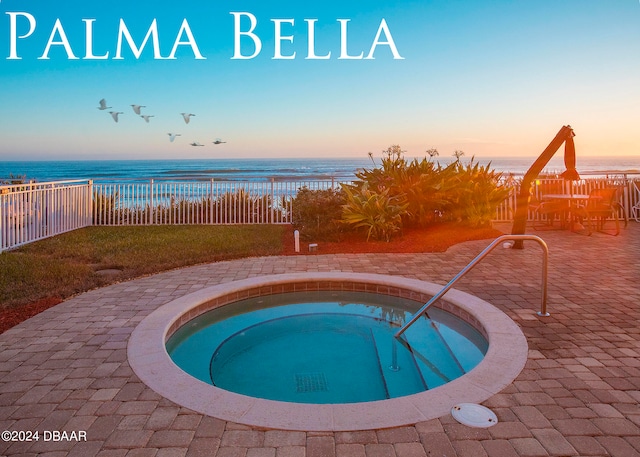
66, 369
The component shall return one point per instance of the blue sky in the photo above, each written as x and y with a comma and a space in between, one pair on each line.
491, 78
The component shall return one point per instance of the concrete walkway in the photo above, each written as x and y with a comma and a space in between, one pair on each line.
66, 369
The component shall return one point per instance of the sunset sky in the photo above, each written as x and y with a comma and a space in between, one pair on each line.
492, 78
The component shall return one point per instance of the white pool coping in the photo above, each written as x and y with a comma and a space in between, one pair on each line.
148, 357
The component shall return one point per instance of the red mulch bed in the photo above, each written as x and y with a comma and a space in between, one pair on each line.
436, 238
13, 316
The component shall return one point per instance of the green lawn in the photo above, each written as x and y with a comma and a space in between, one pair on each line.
66, 264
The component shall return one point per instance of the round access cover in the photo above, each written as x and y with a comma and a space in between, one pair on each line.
474, 415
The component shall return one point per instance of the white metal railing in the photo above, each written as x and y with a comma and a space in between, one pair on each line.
29, 212
197, 202
628, 195
634, 202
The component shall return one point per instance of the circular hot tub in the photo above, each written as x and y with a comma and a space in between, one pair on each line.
326, 346
219, 384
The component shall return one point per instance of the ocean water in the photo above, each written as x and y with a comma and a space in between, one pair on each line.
278, 169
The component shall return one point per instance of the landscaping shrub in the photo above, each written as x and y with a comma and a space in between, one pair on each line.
418, 184
317, 213
421, 192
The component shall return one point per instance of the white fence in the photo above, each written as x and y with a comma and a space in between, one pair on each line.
200, 202
628, 193
30, 212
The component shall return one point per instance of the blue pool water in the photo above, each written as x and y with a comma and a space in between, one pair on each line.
325, 347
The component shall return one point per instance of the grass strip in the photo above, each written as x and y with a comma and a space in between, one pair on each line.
69, 264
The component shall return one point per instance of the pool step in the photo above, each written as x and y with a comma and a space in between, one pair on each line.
398, 367
432, 352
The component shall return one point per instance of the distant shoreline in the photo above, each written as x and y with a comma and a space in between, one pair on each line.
299, 169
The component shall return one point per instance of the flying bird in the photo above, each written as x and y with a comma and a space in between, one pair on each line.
136, 108
103, 105
146, 117
218, 141
195, 143
187, 117
114, 114
172, 136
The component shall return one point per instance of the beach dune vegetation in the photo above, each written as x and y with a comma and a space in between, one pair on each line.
238, 206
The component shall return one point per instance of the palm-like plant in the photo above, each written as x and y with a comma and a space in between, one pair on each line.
377, 212
476, 193
420, 184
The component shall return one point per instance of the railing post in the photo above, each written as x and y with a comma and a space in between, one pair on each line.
151, 209
625, 200
90, 203
211, 201
3, 226
271, 204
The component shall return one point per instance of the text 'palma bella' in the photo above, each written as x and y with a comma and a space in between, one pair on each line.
22, 25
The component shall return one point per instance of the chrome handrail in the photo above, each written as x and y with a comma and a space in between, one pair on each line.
474, 262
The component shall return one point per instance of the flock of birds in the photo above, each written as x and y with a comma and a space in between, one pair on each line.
137, 109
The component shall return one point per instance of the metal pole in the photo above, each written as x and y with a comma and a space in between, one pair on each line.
474, 262
394, 356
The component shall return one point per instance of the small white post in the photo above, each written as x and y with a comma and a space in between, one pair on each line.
296, 240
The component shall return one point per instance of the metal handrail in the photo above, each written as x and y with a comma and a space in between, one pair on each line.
474, 262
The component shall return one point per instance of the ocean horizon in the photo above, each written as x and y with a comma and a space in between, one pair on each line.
293, 169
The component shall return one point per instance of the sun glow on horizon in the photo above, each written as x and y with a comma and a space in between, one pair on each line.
494, 80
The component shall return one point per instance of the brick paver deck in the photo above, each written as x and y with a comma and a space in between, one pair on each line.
66, 369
